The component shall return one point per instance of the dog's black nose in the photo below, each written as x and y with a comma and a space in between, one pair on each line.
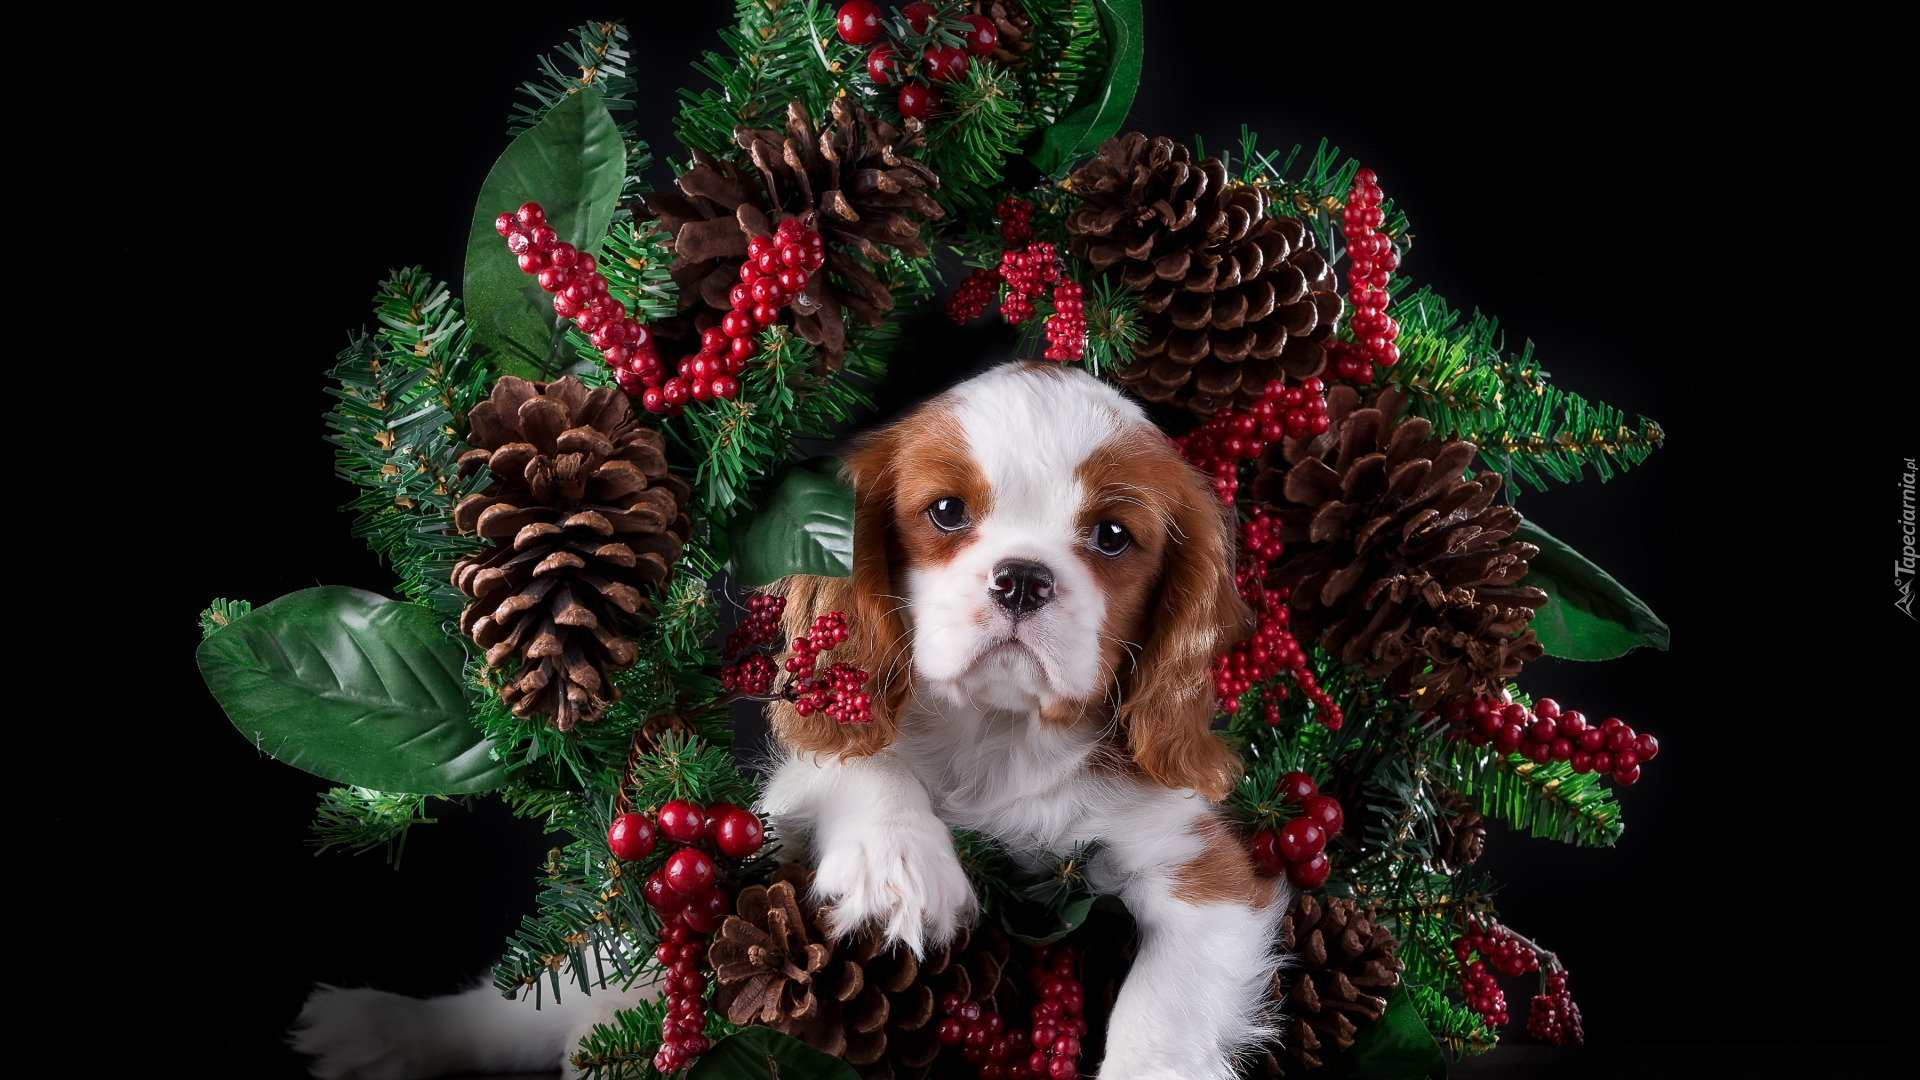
1021, 586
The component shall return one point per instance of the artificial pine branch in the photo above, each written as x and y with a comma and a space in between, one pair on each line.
595, 61
403, 396
1549, 800
1457, 375
220, 613
983, 121
779, 51
361, 819
1316, 195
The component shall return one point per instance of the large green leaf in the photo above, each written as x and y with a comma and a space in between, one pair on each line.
1397, 1046
572, 163
1102, 104
1588, 615
353, 687
805, 526
759, 1053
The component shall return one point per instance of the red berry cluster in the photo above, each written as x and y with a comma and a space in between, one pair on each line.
860, 23
1549, 733
1554, 1017
1026, 274
1272, 649
1016, 221
1049, 1051
1067, 326
1300, 846
1503, 952
579, 293
837, 692
969, 300
690, 905
1371, 262
1229, 436
755, 674
774, 273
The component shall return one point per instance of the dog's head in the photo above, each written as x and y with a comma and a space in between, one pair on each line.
1032, 542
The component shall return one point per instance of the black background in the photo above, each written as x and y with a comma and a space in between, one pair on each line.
1626, 199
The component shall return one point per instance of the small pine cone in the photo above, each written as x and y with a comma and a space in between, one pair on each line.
1345, 968
1395, 562
1463, 832
1014, 27
876, 1008
1232, 296
583, 518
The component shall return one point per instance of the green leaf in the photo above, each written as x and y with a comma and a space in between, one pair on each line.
804, 527
354, 687
1397, 1046
1588, 615
572, 163
759, 1053
1102, 106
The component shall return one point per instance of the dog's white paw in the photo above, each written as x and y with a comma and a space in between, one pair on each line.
900, 873
366, 1035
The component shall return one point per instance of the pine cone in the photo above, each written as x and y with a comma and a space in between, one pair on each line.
855, 182
1233, 298
572, 471
1463, 834
873, 1007
1346, 968
1015, 29
1395, 562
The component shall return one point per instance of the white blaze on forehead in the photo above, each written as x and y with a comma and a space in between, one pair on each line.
1030, 428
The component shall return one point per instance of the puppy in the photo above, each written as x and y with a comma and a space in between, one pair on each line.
1040, 585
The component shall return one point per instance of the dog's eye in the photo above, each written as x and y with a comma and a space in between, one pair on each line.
948, 514
1111, 538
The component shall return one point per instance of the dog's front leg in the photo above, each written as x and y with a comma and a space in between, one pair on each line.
1198, 996
881, 855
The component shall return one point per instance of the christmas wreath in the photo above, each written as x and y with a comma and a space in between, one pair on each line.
585, 467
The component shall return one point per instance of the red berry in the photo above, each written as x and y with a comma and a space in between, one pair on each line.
919, 102
736, 324
1325, 812
530, 215
1310, 874
1297, 788
689, 871
944, 63
726, 387
631, 837
1646, 746
983, 37
1626, 776
662, 897
1301, 839
739, 834
1264, 846
883, 63
707, 911
919, 16
858, 22
680, 820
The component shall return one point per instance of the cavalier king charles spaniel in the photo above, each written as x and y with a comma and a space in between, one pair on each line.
1040, 584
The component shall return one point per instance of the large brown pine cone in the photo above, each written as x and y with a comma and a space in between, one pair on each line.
1232, 296
856, 182
583, 517
1345, 969
1396, 561
873, 1007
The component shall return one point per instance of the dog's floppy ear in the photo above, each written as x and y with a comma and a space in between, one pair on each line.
877, 639
1168, 711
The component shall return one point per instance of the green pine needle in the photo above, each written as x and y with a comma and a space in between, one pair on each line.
360, 819
221, 613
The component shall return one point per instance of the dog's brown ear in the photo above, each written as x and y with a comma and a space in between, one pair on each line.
877, 640
1168, 711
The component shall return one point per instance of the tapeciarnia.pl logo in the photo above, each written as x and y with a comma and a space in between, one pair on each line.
1904, 565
